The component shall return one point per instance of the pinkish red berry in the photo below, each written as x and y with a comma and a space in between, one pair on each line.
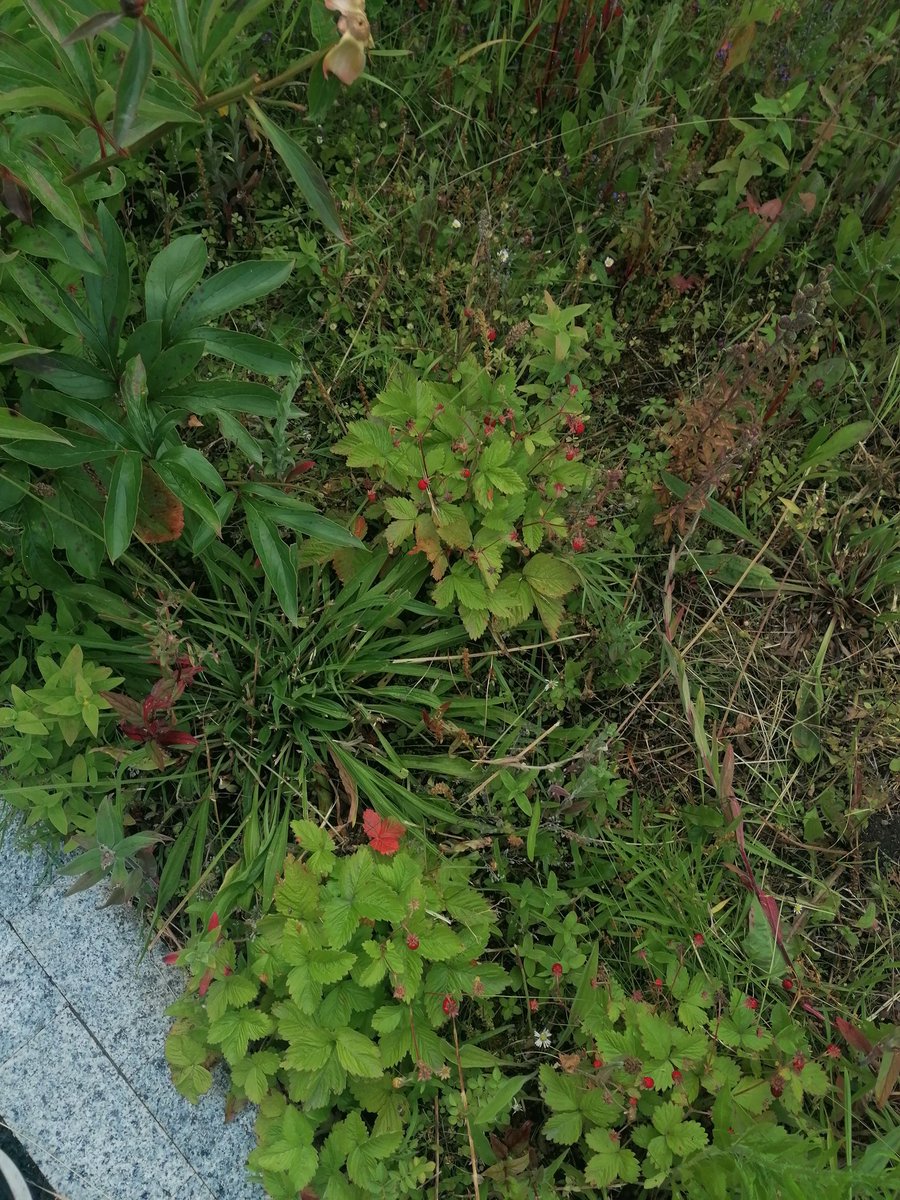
371, 496
412, 942
557, 970
591, 522
578, 427
798, 1063
598, 1063
492, 335
578, 544
422, 485
533, 1005
787, 983
648, 1083
466, 473
571, 455
676, 1076
698, 939
450, 1006
752, 1003
832, 1050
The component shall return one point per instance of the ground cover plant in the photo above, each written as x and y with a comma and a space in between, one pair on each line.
450, 565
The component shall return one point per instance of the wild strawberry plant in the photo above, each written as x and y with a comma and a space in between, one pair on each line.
486, 476
338, 1016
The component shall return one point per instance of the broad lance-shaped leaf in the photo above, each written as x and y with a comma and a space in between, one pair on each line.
233, 287
13, 427
307, 176
172, 274
275, 557
133, 80
121, 508
93, 25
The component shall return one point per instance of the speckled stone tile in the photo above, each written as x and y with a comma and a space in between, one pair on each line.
92, 954
84, 1126
217, 1151
23, 875
28, 1000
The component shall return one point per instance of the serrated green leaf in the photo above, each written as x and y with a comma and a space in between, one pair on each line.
549, 576
235, 1029
297, 893
357, 1054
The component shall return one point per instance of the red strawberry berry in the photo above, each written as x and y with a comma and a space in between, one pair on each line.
533, 1005
412, 942
787, 983
466, 473
422, 485
598, 1063
371, 496
557, 970
776, 1086
450, 1006
832, 1050
571, 455
578, 427
492, 335
657, 983
752, 1003
676, 1076
798, 1063
591, 522
698, 939
648, 1083
578, 544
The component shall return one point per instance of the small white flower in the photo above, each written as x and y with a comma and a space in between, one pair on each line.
503, 255
456, 223
609, 262
542, 1039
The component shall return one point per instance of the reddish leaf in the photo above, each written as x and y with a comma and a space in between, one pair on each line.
127, 708
205, 982
384, 835
771, 210
300, 468
683, 284
171, 959
160, 515
853, 1036
808, 200
137, 733
173, 737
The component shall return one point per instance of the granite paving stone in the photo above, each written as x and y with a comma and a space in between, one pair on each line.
23, 875
28, 999
83, 1078
215, 1149
84, 1126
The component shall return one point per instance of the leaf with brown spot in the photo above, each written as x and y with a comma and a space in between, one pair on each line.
14, 196
160, 515
569, 1062
808, 200
429, 543
349, 786
740, 47
888, 1074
